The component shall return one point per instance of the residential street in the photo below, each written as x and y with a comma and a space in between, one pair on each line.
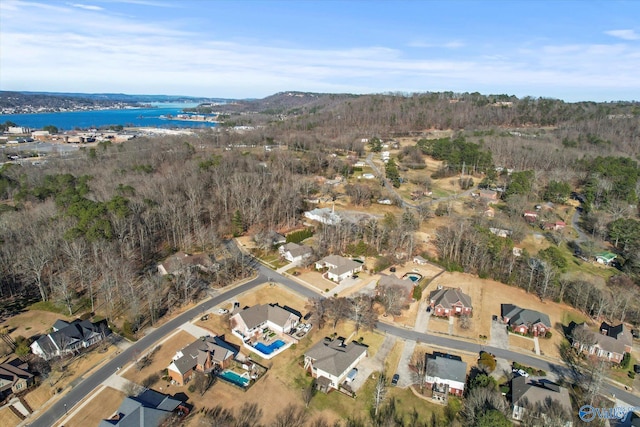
86, 386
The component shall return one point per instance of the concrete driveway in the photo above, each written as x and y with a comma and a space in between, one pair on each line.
499, 336
406, 375
373, 364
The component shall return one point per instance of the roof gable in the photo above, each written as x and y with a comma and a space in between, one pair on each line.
335, 357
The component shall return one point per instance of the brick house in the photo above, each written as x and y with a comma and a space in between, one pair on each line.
525, 321
447, 302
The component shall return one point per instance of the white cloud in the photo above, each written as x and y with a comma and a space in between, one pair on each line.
63, 47
86, 6
624, 34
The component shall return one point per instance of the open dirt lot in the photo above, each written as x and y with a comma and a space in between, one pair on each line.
486, 297
103, 405
161, 358
31, 323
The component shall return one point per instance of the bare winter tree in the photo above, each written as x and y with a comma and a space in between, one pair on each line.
394, 298
419, 369
379, 392
291, 416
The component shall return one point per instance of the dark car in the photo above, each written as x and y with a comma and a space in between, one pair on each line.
636, 369
395, 379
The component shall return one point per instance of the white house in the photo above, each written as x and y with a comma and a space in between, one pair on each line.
294, 252
446, 372
69, 338
339, 268
330, 361
250, 322
323, 215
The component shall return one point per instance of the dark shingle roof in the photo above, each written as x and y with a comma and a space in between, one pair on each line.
148, 409
523, 316
449, 296
524, 391
447, 367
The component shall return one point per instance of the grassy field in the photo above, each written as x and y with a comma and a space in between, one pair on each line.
488, 295
8, 418
161, 358
31, 323
103, 405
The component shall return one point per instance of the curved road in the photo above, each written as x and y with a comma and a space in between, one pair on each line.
265, 274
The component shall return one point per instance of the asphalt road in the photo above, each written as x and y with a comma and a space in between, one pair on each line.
265, 274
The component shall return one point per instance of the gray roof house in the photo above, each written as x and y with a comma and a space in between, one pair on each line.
446, 371
393, 280
14, 377
524, 321
180, 261
68, 338
149, 409
525, 392
339, 268
611, 343
294, 252
330, 361
249, 322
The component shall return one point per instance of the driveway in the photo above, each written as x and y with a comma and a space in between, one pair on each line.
499, 336
406, 375
373, 364
422, 318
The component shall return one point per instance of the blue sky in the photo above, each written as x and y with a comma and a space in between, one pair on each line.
572, 50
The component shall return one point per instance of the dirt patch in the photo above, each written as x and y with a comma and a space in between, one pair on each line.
38, 397
8, 418
161, 358
31, 323
103, 406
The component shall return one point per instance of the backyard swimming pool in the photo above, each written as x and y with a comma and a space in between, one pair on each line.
268, 349
414, 277
234, 378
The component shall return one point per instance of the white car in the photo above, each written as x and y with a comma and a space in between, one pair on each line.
523, 373
222, 311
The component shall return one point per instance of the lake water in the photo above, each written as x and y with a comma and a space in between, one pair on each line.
136, 117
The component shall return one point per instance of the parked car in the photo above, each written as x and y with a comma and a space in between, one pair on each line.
395, 379
222, 311
636, 369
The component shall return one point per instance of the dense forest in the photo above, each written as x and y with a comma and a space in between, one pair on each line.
85, 232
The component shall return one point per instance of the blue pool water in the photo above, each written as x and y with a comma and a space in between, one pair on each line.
268, 349
234, 378
414, 277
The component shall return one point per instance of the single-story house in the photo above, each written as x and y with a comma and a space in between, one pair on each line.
445, 374
149, 409
500, 232
530, 216
611, 343
525, 392
68, 338
339, 268
203, 355
323, 215
525, 321
419, 260
294, 252
387, 280
489, 195
330, 361
449, 301
178, 262
249, 323
555, 226
14, 377
605, 258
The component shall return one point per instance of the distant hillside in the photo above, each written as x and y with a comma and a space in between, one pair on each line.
122, 97
289, 103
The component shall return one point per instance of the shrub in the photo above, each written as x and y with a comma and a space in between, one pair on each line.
192, 388
626, 360
632, 375
547, 334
